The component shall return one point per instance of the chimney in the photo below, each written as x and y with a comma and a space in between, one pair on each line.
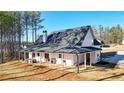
44, 36
89, 26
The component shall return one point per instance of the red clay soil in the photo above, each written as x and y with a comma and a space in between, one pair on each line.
20, 71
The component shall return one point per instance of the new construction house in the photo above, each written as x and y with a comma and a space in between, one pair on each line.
69, 47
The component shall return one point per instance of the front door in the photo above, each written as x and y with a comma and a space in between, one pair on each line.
88, 58
46, 57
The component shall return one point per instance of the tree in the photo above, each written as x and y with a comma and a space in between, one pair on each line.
107, 36
101, 31
35, 23
120, 32
13, 26
26, 21
116, 34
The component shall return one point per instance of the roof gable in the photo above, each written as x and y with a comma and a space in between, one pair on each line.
88, 40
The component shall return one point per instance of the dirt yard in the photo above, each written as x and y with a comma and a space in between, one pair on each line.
15, 70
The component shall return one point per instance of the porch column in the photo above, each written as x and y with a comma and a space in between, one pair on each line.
31, 54
63, 60
50, 60
90, 58
78, 70
35, 57
85, 63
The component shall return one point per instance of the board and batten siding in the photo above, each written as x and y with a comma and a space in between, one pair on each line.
88, 40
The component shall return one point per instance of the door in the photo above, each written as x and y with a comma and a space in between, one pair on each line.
88, 58
46, 57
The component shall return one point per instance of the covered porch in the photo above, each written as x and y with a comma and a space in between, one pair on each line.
67, 56
33, 56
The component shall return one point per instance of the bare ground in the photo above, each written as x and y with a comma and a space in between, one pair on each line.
15, 70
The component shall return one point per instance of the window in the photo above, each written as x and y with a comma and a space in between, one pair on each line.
38, 54
60, 55
33, 55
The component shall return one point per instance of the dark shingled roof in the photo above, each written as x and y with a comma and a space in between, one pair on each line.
65, 41
75, 49
65, 49
92, 48
96, 42
39, 40
73, 36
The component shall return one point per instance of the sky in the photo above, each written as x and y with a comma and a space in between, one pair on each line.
57, 20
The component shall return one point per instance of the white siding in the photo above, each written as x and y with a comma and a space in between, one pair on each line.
69, 58
96, 56
88, 40
56, 56
38, 58
30, 55
81, 58
93, 58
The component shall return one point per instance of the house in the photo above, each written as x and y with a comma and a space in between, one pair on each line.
68, 47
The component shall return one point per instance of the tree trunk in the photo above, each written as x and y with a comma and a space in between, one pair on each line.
32, 33
35, 31
26, 34
1, 45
